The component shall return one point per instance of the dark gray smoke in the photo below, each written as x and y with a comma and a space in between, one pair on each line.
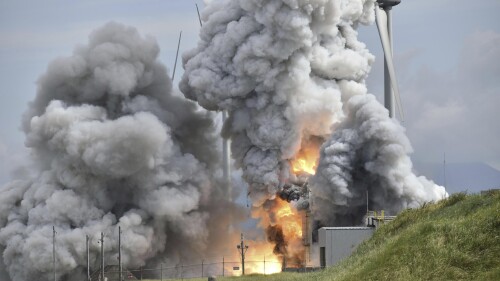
296, 191
113, 147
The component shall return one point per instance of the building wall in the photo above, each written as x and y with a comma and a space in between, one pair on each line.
337, 243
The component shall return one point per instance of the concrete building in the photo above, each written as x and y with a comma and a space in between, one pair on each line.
337, 243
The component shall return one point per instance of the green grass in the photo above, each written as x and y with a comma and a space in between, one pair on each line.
455, 239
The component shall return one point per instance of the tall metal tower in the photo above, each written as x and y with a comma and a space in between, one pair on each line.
226, 146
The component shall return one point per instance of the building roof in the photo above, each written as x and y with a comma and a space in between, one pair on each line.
347, 228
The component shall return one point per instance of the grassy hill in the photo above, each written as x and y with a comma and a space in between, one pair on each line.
455, 239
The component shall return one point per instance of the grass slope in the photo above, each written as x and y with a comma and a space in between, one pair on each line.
454, 239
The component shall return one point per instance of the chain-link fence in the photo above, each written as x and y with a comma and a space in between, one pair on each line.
223, 266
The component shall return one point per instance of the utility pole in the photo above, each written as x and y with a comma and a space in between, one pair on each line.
54, 250
242, 248
87, 239
102, 256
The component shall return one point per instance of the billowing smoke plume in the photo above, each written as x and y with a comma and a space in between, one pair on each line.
113, 147
367, 155
275, 65
292, 71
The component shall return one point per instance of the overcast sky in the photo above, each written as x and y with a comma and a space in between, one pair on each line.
447, 56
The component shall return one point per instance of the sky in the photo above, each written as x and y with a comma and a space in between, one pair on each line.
447, 56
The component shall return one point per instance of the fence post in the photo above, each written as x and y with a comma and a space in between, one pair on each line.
264, 265
222, 266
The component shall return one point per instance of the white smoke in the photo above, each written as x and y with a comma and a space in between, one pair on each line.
113, 147
288, 72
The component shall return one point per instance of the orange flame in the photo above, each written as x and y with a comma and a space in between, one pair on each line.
306, 159
261, 259
282, 214
302, 165
289, 220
